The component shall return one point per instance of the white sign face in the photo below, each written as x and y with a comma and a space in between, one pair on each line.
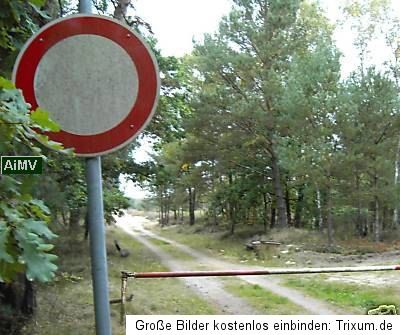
74, 80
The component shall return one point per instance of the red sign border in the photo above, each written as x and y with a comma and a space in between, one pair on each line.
141, 55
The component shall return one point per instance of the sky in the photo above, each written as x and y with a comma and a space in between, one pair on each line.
176, 23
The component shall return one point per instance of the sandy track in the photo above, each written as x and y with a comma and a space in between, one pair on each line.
211, 288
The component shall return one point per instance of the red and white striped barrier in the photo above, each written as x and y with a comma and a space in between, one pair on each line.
271, 271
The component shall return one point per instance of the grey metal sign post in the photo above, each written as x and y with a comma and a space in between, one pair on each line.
98, 245
99, 81
97, 238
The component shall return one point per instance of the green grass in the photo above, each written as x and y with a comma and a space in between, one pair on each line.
229, 247
65, 306
171, 249
216, 238
352, 297
262, 300
154, 296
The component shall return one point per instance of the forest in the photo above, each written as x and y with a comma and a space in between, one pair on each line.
276, 136
259, 125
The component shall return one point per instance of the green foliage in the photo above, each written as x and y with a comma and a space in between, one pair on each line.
23, 219
167, 124
275, 134
37, 3
237, 89
19, 20
41, 117
35, 252
63, 187
114, 203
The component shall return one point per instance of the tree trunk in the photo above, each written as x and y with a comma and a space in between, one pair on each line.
214, 177
288, 209
377, 222
86, 235
329, 221
359, 222
121, 9
17, 302
167, 204
320, 220
396, 220
192, 199
64, 217
273, 216
280, 199
299, 207
74, 217
161, 209
28, 304
232, 210
384, 220
231, 206
371, 219
265, 218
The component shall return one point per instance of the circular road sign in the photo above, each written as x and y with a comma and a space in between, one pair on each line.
97, 79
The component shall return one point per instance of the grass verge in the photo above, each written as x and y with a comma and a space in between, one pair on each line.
218, 241
65, 306
262, 300
154, 296
219, 244
171, 249
354, 298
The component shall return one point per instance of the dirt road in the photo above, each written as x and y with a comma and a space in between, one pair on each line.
212, 288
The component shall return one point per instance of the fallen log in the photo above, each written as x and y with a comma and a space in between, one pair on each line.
118, 301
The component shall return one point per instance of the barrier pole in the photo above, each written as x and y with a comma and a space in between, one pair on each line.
272, 271
124, 285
